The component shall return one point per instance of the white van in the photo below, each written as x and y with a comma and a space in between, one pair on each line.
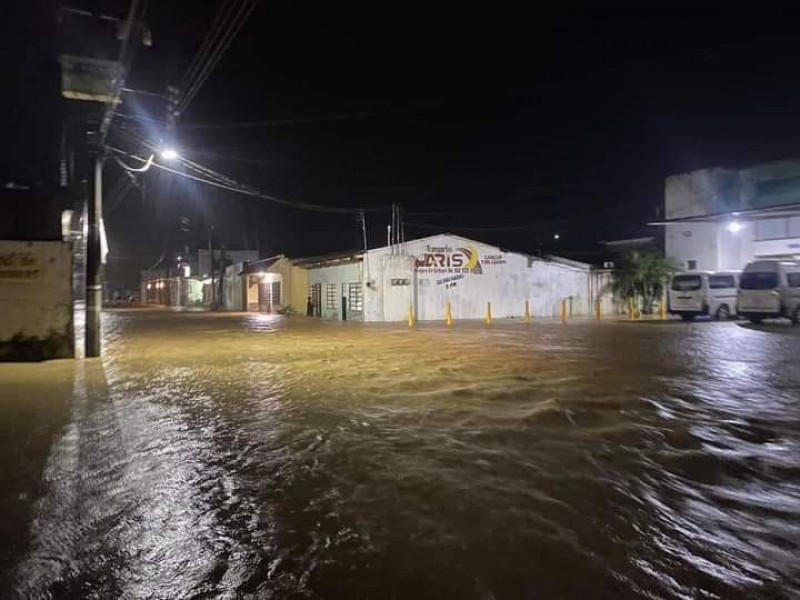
696, 293
770, 289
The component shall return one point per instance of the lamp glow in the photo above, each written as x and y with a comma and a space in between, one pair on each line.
169, 154
734, 227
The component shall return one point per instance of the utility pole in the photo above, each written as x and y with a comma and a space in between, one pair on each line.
221, 295
211, 265
94, 284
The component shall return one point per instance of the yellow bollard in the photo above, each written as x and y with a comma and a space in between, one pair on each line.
527, 312
488, 313
597, 310
563, 311
410, 315
448, 316
631, 310
663, 308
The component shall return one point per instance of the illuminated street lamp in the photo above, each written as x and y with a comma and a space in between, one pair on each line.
169, 154
557, 236
735, 226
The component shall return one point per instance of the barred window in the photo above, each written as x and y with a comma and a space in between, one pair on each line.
355, 300
330, 296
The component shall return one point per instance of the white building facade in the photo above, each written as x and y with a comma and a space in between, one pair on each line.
721, 219
424, 275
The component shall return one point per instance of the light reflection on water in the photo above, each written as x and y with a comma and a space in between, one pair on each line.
347, 461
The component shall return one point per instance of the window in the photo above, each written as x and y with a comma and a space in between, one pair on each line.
793, 280
794, 227
316, 294
691, 265
686, 283
316, 299
721, 282
772, 229
761, 280
276, 292
330, 296
355, 297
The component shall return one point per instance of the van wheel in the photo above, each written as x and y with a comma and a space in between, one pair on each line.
723, 313
687, 317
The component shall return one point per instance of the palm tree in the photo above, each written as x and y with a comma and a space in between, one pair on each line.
642, 275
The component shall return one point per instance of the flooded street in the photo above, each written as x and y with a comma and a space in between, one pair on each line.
247, 455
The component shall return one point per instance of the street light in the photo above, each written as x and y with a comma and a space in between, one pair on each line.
735, 226
169, 154
557, 236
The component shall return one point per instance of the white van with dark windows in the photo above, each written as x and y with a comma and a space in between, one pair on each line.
770, 289
697, 293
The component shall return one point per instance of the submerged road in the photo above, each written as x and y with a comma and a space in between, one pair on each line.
250, 456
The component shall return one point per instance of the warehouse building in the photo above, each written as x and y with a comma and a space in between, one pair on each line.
424, 275
721, 219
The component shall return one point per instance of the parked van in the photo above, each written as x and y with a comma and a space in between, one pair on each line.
770, 289
696, 293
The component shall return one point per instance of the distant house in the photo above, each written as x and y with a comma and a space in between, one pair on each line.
271, 285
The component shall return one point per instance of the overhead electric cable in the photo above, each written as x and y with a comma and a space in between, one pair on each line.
223, 182
217, 26
245, 9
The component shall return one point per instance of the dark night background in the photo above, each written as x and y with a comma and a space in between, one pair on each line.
475, 122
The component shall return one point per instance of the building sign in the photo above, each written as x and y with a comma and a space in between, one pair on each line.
19, 267
451, 281
84, 78
494, 259
445, 259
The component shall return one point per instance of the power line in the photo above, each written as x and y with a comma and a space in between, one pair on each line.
216, 54
202, 53
222, 181
346, 116
539, 225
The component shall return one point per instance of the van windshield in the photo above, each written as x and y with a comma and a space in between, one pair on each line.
759, 280
686, 283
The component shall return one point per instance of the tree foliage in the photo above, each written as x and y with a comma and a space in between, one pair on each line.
643, 276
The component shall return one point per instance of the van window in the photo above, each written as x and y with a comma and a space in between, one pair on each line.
721, 282
686, 283
759, 280
793, 279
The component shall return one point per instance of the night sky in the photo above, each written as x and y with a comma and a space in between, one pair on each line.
503, 126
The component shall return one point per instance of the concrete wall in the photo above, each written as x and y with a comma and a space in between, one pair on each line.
235, 287
337, 276
294, 285
431, 272
718, 192
36, 300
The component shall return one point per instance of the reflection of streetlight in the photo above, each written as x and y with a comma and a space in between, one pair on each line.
734, 227
169, 154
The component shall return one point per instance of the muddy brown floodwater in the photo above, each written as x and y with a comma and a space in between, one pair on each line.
252, 456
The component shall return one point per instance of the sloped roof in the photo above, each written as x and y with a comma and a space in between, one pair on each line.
259, 266
321, 260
